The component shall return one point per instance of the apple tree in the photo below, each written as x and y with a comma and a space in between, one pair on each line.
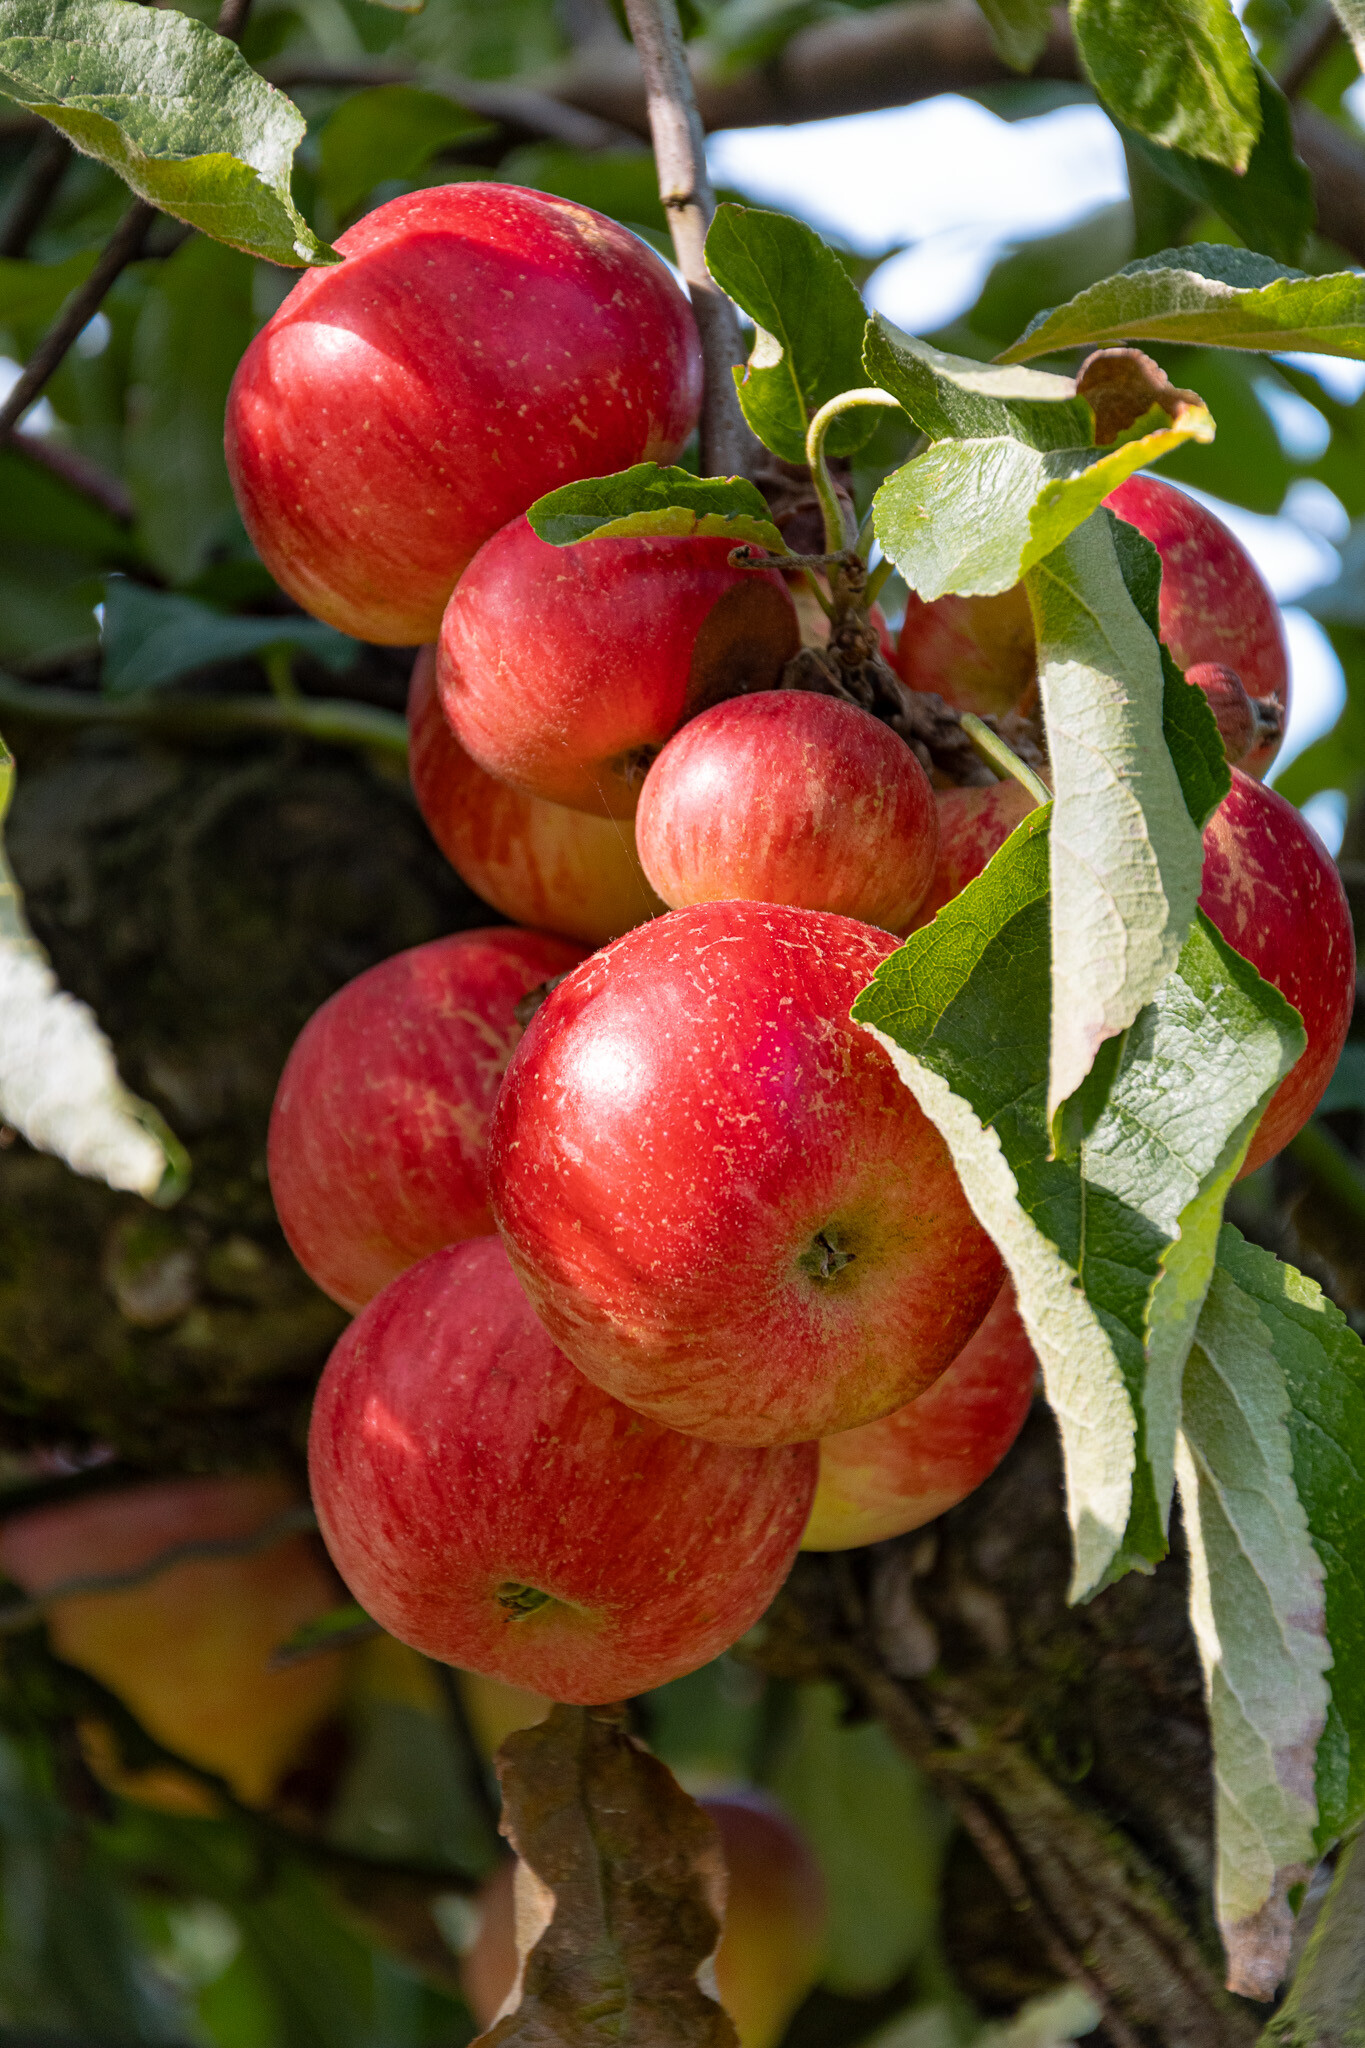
657, 914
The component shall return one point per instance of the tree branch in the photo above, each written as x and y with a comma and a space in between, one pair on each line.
123, 247
99, 485
894, 56
1095, 1905
42, 174
333, 721
518, 107
886, 57
727, 446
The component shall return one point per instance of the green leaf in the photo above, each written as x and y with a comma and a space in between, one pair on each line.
1271, 1465
389, 131
153, 637
1126, 856
173, 108
648, 499
194, 325
59, 1086
1212, 294
878, 1833
1270, 204
1110, 1244
1187, 721
348, 1623
810, 322
1179, 72
1019, 29
1013, 469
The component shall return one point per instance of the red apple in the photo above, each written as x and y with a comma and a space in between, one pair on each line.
188, 1651
977, 653
1273, 891
896, 1474
770, 1946
542, 864
721, 1199
972, 825
564, 670
378, 1148
480, 345
491, 1507
790, 797
1215, 603
776, 1914
1270, 887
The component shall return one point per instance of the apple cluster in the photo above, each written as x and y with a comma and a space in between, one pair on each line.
658, 1271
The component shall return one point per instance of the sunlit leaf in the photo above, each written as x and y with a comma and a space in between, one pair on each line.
59, 1085
1111, 1243
174, 108
1270, 204
1210, 293
1270, 1464
1014, 467
1177, 71
810, 323
647, 499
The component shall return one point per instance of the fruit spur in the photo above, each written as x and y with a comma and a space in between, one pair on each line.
658, 1269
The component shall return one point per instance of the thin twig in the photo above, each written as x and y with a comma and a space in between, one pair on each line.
43, 173
1314, 36
334, 721
123, 247
293, 1522
911, 1731
1003, 758
727, 446
232, 19
1337, 1172
515, 106
99, 485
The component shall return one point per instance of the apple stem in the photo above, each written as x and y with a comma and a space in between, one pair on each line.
727, 446
840, 531
1001, 756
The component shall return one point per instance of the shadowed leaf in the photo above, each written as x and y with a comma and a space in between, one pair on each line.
628, 1876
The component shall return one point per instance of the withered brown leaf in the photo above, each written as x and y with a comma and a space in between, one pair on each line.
629, 1878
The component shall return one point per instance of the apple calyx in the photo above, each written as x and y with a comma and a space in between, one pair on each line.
824, 1257
517, 1600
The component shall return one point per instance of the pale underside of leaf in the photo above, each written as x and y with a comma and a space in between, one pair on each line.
973, 517
1126, 856
59, 1086
1257, 1605
1178, 303
173, 108
1111, 1245
1084, 1381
